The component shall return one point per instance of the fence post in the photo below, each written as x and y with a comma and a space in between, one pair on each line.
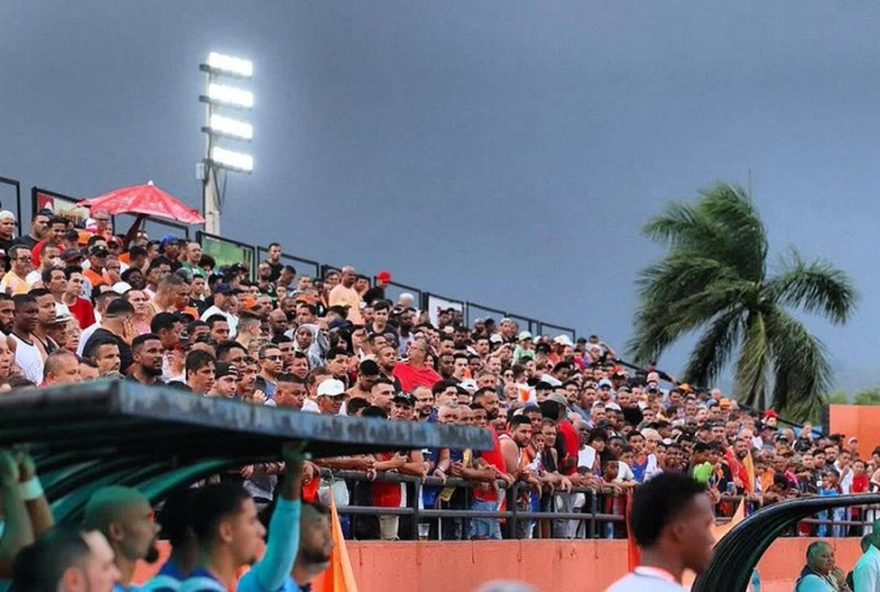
594, 502
512, 505
417, 496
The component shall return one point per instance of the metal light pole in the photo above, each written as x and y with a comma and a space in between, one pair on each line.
218, 98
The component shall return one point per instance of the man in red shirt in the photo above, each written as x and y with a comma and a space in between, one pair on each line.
81, 309
415, 371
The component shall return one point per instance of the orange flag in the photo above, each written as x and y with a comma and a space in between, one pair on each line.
339, 577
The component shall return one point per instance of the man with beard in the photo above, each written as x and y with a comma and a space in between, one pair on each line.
315, 548
229, 534
7, 314
387, 363
125, 517
148, 357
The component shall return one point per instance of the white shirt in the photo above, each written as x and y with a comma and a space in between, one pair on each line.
866, 574
624, 473
646, 579
586, 457
84, 338
29, 359
230, 318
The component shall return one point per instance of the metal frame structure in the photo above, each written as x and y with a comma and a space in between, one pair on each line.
737, 554
17, 186
84, 436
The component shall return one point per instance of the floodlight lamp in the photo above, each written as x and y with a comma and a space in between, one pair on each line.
229, 159
226, 64
232, 128
230, 95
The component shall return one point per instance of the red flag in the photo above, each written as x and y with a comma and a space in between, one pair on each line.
633, 555
339, 577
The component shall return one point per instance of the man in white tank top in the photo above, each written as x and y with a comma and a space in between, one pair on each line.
671, 521
27, 356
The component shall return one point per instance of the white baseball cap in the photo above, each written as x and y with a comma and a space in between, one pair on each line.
331, 388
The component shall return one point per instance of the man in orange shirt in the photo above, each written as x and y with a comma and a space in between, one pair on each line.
344, 294
97, 261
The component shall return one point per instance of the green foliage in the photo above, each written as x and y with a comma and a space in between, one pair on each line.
837, 398
868, 397
713, 279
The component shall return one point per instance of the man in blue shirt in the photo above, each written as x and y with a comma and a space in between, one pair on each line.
229, 534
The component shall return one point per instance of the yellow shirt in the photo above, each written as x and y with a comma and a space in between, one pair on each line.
340, 295
14, 285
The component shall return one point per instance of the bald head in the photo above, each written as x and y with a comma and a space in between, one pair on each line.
125, 517
111, 504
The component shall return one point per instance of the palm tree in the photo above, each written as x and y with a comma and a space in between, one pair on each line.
714, 279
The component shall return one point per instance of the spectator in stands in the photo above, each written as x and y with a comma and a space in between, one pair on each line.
27, 356
97, 260
147, 354
81, 308
225, 303
249, 330
331, 396
415, 371
125, 517
272, 364
38, 231
345, 294
368, 373
382, 393
116, 327
218, 328
62, 367
273, 259
64, 560
157, 270
292, 391
45, 319
15, 281
225, 381
200, 372
7, 230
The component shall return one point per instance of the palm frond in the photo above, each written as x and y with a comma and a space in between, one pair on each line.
802, 374
714, 348
753, 363
815, 286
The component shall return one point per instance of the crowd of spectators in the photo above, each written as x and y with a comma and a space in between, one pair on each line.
573, 426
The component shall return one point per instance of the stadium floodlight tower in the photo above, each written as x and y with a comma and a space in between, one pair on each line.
225, 102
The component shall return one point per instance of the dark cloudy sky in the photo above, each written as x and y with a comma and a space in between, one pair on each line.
506, 152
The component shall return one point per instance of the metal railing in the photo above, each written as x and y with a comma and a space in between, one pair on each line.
63, 204
591, 521
227, 252
10, 191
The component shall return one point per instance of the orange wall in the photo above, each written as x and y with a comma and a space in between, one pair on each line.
551, 565
860, 421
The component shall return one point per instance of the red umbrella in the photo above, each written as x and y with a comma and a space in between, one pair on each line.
146, 200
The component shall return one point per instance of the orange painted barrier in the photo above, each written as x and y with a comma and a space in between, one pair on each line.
549, 565
860, 421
